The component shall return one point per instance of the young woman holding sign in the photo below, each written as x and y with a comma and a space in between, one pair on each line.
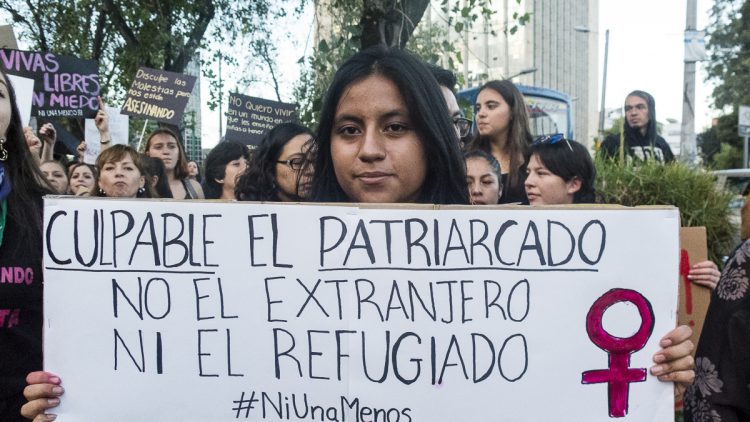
384, 137
21, 188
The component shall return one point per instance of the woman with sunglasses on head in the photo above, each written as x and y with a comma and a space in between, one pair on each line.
277, 169
224, 165
503, 131
22, 186
559, 171
483, 177
163, 143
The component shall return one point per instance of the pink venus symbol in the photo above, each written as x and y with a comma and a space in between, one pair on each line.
619, 375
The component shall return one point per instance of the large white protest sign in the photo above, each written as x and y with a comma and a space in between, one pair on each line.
168, 310
118, 131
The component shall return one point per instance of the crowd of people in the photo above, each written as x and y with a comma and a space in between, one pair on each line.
390, 131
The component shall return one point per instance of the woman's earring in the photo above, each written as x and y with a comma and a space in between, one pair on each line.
3, 151
102, 193
141, 190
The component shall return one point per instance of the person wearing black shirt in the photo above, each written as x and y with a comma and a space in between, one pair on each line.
639, 138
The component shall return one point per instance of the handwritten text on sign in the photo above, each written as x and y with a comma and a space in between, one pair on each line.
205, 311
64, 86
250, 118
158, 95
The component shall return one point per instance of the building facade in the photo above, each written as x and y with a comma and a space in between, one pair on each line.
191, 120
557, 49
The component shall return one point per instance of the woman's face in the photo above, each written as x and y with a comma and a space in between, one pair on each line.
164, 147
81, 180
493, 114
546, 188
377, 155
5, 108
192, 169
121, 179
484, 186
232, 171
286, 176
56, 176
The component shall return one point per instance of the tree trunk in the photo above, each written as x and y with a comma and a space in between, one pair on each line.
390, 22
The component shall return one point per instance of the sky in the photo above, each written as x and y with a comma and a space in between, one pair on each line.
646, 52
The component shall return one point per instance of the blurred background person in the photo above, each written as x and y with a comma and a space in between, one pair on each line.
224, 164
163, 143
56, 175
503, 131
277, 170
483, 176
82, 179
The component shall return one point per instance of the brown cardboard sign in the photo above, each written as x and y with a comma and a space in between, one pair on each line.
694, 298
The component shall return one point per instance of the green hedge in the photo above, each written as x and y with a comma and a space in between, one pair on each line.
693, 191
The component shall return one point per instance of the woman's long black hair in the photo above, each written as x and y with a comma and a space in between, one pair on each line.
28, 183
519, 135
569, 159
445, 181
216, 164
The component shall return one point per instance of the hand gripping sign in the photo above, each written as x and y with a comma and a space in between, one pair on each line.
619, 375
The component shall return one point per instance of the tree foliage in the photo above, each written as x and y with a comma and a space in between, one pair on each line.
729, 68
728, 46
692, 190
356, 25
125, 34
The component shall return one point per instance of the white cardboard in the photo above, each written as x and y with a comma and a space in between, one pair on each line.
203, 319
118, 130
24, 88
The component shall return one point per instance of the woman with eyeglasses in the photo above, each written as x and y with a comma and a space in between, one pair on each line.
276, 171
559, 171
224, 165
503, 131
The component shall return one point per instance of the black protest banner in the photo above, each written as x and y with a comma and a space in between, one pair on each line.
64, 86
158, 95
249, 118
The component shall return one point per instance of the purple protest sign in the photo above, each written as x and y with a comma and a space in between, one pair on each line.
64, 86
158, 95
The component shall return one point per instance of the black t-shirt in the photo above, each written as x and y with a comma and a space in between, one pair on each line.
639, 147
515, 193
20, 313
